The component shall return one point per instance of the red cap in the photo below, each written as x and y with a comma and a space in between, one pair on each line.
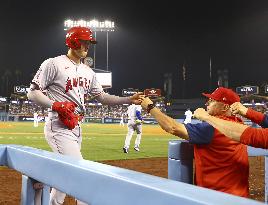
223, 95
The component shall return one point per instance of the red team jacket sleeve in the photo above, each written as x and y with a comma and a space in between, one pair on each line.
255, 116
255, 137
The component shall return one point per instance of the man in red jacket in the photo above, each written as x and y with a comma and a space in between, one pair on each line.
255, 137
220, 163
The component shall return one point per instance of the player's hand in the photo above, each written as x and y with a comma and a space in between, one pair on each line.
136, 98
238, 108
145, 102
201, 114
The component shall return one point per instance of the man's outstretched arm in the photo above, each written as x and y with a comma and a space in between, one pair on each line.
230, 129
166, 123
254, 116
108, 99
256, 137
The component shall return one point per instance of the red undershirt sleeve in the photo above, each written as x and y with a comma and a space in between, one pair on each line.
255, 137
255, 116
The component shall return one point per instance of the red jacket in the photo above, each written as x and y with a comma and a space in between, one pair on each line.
222, 165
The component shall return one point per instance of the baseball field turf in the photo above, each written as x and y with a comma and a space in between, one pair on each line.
100, 141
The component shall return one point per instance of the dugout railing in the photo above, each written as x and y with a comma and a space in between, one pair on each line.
101, 184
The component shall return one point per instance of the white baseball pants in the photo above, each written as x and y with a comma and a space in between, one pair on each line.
66, 142
132, 127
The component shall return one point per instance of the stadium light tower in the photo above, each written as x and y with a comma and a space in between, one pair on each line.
95, 26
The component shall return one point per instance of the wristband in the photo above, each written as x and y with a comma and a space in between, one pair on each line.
149, 107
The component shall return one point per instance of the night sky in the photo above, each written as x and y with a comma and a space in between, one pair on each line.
151, 39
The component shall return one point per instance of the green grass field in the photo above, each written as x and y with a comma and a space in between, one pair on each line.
100, 141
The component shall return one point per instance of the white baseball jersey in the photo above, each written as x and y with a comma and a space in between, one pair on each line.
131, 111
35, 116
64, 80
188, 115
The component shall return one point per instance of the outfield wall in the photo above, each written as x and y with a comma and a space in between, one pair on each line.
108, 120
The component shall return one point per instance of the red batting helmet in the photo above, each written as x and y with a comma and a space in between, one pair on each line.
75, 34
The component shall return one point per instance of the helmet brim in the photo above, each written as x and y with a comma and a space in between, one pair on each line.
91, 40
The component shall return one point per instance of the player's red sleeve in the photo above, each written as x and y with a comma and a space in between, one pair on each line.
255, 116
255, 137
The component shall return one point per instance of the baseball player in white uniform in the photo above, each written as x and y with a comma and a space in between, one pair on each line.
134, 124
188, 116
66, 80
36, 119
121, 123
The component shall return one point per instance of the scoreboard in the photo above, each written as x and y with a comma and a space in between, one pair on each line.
21, 89
152, 92
247, 90
129, 91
